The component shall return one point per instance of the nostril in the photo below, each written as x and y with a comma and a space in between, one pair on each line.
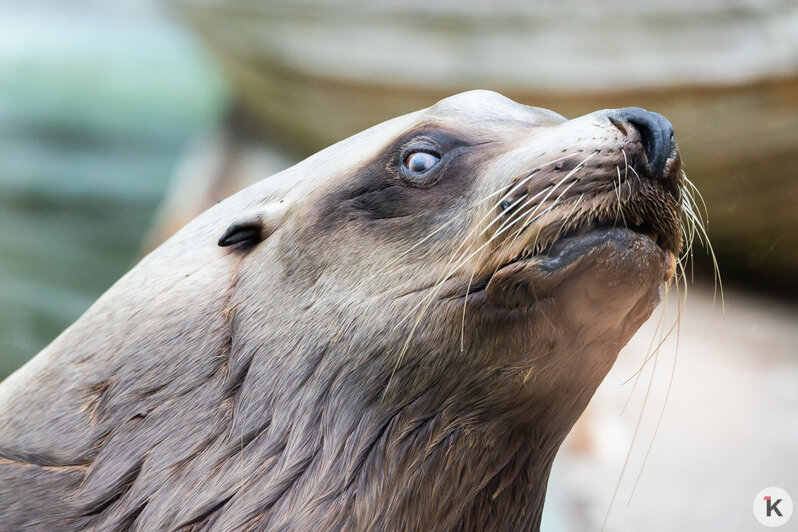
656, 134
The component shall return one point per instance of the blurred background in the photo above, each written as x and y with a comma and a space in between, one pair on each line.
120, 121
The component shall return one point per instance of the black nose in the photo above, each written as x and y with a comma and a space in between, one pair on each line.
656, 134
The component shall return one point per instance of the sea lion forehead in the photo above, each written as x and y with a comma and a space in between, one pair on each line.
336, 162
477, 115
482, 106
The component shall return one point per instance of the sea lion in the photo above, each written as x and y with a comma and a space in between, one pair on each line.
395, 334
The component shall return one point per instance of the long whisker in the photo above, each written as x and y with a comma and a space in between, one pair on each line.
515, 188
532, 215
556, 201
570, 213
569, 175
700, 224
690, 232
436, 288
551, 191
520, 211
465, 304
627, 167
474, 206
659, 345
617, 188
658, 332
631, 445
680, 308
718, 280
653, 353
514, 217
698, 193
632, 168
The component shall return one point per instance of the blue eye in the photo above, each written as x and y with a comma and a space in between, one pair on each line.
419, 162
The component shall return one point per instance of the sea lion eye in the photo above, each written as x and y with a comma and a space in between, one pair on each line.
418, 162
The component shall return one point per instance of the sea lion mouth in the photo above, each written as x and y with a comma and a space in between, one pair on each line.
557, 245
566, 248
649, 213
640, 234
621, 254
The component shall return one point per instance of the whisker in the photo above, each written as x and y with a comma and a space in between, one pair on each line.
698, 193
532, 212
465, 303
658, 331
680, 308
514, 217
617, 188
556, 201
632, 168
461, 261
570, 213
567, 176
718, 280
652, 355
473, 207
631, 444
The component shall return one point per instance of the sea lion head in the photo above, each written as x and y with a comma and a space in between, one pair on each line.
478, 240
394, 334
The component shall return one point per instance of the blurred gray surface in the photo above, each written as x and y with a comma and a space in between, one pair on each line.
725, 72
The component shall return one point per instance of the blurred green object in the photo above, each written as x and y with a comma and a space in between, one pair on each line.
96, 105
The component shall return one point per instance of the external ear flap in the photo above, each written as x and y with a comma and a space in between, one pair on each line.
255, 226
248, 231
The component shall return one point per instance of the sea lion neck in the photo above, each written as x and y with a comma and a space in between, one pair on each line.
342, 435
422, 460
435, 473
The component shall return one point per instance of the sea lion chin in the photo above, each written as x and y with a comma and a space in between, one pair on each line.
395, 334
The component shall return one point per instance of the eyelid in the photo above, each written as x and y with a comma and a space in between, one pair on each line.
415, 147
421, 143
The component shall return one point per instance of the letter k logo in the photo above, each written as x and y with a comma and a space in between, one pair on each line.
772, 506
